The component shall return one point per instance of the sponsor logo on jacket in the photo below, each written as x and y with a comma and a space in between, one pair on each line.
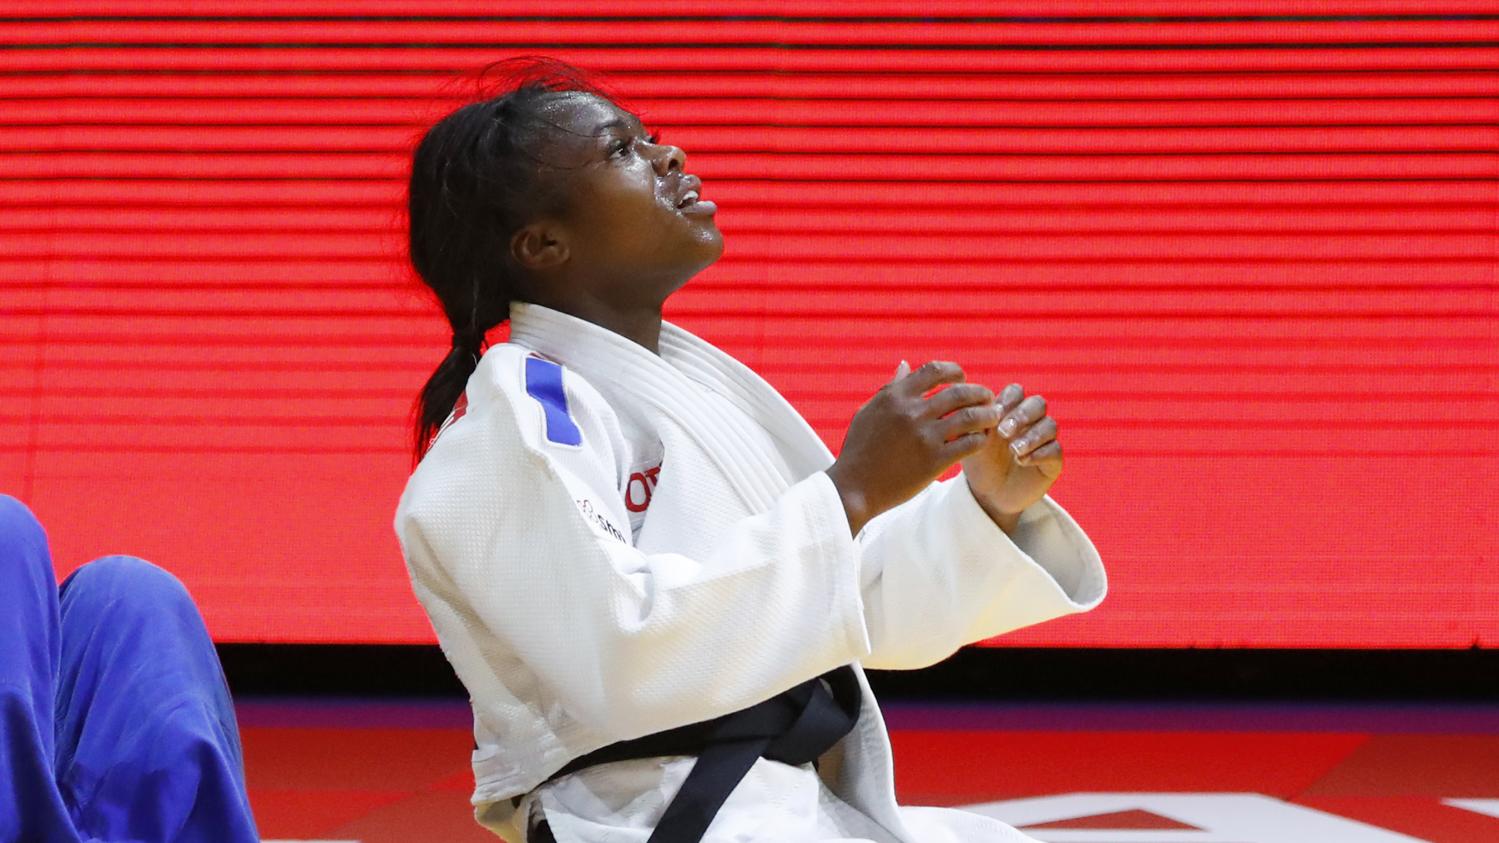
593, 514
640, 487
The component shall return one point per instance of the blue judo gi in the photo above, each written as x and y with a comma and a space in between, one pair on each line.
115, 720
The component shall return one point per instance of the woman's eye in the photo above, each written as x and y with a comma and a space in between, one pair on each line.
625, 144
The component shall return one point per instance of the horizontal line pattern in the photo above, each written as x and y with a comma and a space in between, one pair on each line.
1243, 250
806, 33
785, 9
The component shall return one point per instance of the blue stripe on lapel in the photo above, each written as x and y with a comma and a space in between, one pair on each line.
544, 383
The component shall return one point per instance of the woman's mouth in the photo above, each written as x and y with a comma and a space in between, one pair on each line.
691, 204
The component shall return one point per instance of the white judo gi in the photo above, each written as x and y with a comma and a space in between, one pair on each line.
611, 543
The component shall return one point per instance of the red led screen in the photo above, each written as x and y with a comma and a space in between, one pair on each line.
1247, 250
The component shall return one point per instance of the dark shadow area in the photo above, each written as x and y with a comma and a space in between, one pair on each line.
974, 674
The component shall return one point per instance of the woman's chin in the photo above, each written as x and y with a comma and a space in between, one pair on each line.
713, 252
707, 248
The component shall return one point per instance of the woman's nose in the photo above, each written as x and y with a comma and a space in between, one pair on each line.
670, 158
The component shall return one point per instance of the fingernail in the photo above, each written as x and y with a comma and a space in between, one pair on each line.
1017, 446
1007, 426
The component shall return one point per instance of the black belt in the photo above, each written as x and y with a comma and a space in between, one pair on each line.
794, 727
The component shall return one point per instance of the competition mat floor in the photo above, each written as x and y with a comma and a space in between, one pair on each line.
396, 772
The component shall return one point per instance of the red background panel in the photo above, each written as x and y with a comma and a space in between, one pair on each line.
1247, 250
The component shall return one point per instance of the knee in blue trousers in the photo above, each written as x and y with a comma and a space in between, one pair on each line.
115, 720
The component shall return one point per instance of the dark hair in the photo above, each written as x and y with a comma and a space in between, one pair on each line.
476, 177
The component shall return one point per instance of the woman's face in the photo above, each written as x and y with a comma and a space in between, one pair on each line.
634, 228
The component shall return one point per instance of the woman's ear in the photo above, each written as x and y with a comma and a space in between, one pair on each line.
538, 246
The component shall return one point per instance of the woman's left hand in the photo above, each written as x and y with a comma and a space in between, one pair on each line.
1021, 460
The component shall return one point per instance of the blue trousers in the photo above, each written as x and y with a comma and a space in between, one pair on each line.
115, 721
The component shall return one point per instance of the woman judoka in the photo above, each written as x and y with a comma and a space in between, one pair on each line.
115, 722
657, 584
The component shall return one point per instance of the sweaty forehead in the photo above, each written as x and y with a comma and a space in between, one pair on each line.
582, 113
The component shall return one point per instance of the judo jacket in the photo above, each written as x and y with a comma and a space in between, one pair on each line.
611, 543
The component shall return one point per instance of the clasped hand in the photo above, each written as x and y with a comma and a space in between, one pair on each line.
1020, 460
915, 427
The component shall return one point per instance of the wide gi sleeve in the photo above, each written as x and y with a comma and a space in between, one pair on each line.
521, 556
939, 573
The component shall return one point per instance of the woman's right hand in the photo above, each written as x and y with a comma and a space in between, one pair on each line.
903, 438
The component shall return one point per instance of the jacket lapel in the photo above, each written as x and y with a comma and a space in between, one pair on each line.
626, 373
760, 401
